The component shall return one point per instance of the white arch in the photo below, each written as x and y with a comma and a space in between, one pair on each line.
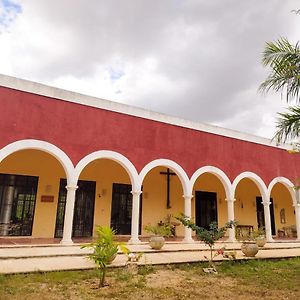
171, 165
256, 179
287, 183
42, 146
218, 173
115, 156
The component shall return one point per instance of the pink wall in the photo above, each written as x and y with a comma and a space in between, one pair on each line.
79, 130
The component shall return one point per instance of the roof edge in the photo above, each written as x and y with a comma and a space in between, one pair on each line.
73, 97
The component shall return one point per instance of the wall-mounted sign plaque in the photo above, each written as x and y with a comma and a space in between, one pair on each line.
46, 198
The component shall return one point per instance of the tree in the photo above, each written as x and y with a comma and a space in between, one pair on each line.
284, 60
208, 236
104, 250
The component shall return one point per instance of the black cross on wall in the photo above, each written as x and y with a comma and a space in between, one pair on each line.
168, 174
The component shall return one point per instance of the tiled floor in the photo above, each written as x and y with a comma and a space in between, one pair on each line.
47, 241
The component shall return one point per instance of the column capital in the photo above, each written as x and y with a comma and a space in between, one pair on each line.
71, 187
266, 203
230, 200
134, 193
296, 205
187, 196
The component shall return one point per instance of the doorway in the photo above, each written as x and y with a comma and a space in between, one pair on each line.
121, 209
206, 208
17, 204
261, 214
83, 211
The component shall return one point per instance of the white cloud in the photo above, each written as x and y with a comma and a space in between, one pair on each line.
199, 60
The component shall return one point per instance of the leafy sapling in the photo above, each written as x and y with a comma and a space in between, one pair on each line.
105, 250
208, 236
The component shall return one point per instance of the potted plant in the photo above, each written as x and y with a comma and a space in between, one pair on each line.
159, 231
249, 247
260, 237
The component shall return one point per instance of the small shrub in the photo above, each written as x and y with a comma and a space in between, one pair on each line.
208, 236
105, 250
163, 229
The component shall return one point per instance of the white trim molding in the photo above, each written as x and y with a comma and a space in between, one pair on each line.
168, 164
69, 96
256, 179
218, 173
264, 195
112, 155
287, 183
49, 148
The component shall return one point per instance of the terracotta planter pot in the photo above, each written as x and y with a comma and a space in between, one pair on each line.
156, 242
261, 241
250, 249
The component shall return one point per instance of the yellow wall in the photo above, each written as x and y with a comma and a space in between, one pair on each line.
245, 204
105, 173
155, 198
246, 194
282, 199
49, 171
210, 183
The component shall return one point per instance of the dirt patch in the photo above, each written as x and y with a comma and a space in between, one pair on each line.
250, 280
165, 278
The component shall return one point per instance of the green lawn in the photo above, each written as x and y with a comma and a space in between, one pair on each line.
254, 279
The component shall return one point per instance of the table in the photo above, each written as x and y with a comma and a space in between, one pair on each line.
244, 230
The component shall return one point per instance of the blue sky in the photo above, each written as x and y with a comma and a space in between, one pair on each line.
8, 13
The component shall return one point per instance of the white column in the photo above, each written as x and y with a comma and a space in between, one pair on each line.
230, 214
188, 213
267, 221
297, 215
5, 212
69, 214
135, 217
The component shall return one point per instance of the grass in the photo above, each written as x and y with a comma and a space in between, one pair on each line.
253, 279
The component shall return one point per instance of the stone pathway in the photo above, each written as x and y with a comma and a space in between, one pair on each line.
30, 258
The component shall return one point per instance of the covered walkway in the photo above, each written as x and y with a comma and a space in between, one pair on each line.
52, 257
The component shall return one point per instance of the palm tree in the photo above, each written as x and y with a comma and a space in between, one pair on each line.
288, 124
284, 60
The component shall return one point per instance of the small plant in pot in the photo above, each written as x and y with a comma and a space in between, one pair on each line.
260, 237
159, 232
249, 246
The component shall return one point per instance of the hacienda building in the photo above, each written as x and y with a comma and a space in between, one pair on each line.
69, 162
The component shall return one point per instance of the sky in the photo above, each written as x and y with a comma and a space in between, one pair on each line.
199, 60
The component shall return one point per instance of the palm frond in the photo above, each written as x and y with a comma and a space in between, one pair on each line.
288, 125
284, 60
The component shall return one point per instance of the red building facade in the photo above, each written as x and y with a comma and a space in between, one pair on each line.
78, 129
